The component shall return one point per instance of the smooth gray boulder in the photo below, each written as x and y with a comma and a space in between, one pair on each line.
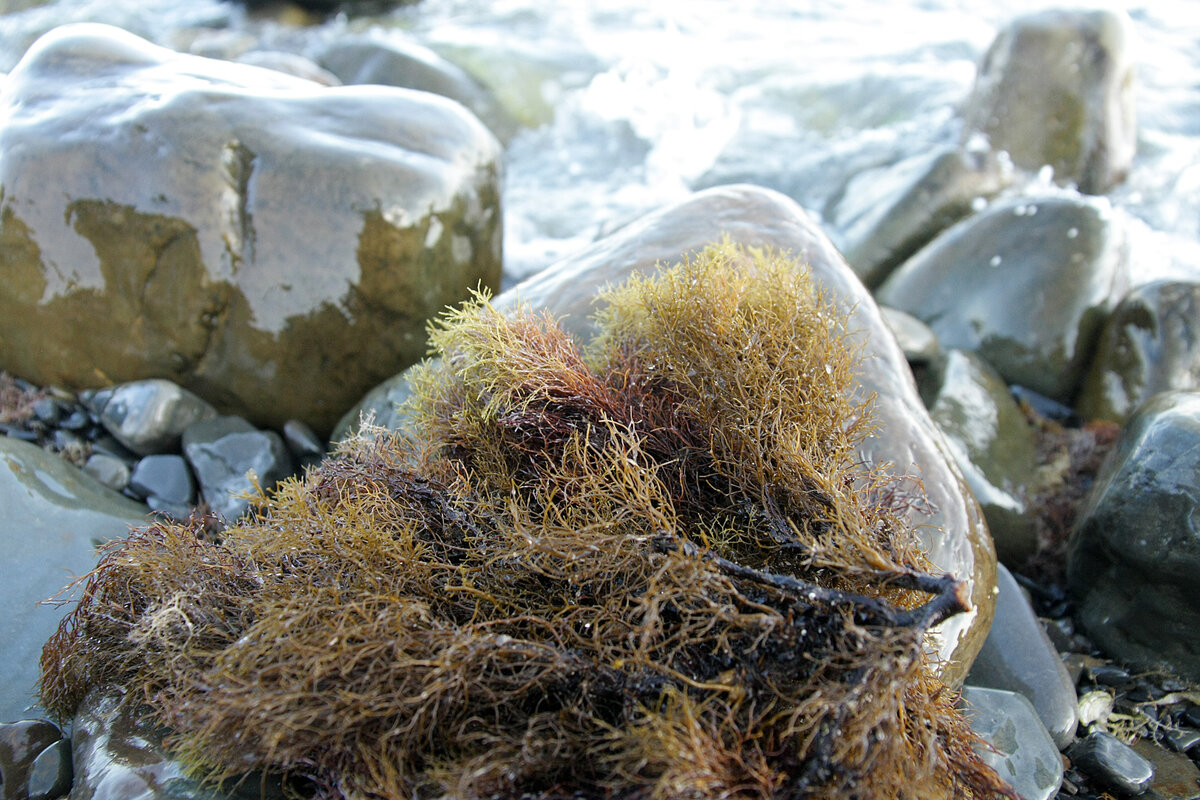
1027, 284
1134, 555
54, 518
1150, 344
954, 533
149, 416
1056, 88
1024, 755
271, 244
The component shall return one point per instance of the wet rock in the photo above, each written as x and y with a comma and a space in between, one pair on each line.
889, 213
21, 743
1018, 657
149, 416
306, 447
994, 446
1056, 88
111, 471
230, 457
955, 533
54, 516
166, 480
1134, 553
1026, 284
916, 339
1025, 756
1176, 777
398, 62
117, 757
1112, 763
1150, 344
271, 244
51, 773
290, 64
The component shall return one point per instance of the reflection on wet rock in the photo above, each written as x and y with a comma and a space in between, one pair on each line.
271, 244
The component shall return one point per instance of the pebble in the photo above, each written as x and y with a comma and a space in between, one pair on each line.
51, 774
113, 472
150, 416
1112, 763
1024, 755
21, 743
224, 451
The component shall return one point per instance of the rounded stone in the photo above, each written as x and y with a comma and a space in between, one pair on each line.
1022, 753
21, 742
953, 532
1027, 284
274, 245
230, 458
166, 477
1134, 553
150, 416
1056, 87
1113, 763
51, 774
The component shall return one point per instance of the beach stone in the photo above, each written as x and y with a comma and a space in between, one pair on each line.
109, 470
954, 533
1112, 763
54, 518
887, 214
289, 63
1176, 777
51, 773
166, 477
1024, 755
149, 416
1056, 87
994, 446
397, 61
229, 457
302, 442
21, 742
119, 757
1134, 554
1027, 284
1150, 344
1019, 657
271, 244
918, 341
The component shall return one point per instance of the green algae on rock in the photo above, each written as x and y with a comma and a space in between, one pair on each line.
653, 564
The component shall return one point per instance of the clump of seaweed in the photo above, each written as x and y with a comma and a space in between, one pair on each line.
652, 566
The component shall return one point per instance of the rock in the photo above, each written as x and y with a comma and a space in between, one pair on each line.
119, 757
20, 745
1112, 763
1025, 756
399, 62
111, 471
51, 774
1134, 553
994, 446
1176, 777
230, 457
1150, 344
149, 416
290, 64
955, 534
1026, 284
1056, 87
273, 245
1018, 657
54, 517
165, 478
889, 213
916, 339
306, 447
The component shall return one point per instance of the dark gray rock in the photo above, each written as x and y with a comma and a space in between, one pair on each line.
303, 443
1150, 344
165, 477
1018, 657
274, 245
1024, 755
230, 458
1027, 284
21, 743
1134, 554
887, 214
993, 444
111, 471
954, 534
1056, 87
918, 341
54, 516
150, 416
1112, 763
51, 774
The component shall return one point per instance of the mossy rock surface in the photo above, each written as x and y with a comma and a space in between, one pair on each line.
272, 244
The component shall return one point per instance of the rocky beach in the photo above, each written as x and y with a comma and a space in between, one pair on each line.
224, 232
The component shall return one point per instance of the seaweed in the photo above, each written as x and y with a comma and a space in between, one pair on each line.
651, 565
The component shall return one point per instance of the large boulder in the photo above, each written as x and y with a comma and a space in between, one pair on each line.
54, 518
1056, 88
1027, 284
271, 244
1134, 554
955, 534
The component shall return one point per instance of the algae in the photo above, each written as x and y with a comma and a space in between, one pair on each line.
652, 565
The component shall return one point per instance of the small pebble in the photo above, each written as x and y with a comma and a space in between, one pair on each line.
109, 470
1108, 675
1181, 740
1112, 763
51, 774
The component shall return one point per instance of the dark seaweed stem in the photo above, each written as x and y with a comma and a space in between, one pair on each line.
950, 594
